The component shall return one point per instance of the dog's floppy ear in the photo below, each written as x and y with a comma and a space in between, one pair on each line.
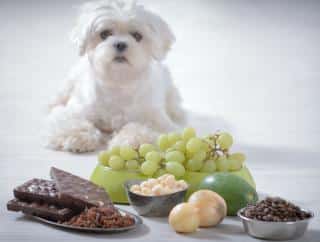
79, 36
161, 35
81, 32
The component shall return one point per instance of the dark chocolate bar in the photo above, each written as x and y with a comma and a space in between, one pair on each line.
78, 192
38, 190
43, 210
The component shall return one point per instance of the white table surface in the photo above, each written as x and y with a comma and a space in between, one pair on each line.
33, 35
292, 174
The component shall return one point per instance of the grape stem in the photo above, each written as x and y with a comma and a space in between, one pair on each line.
215, 151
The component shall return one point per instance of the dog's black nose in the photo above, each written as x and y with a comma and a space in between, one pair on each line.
120, 46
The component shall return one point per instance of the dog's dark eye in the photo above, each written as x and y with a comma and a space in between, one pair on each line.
137, 36
105, 34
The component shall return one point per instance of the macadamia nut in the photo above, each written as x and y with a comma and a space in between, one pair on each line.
165, 184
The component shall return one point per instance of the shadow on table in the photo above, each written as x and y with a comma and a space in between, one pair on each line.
221, 232
140, 231
162, 220
311, 235
229, 229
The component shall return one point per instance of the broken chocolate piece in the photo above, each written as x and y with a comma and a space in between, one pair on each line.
78, 192
43, 210
37, 190
41, 191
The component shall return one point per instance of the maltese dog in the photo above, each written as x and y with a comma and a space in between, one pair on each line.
119, 91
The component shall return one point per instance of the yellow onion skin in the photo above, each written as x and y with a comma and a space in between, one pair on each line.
184, 218
212, 207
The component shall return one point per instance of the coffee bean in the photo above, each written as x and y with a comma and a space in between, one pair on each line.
275, 209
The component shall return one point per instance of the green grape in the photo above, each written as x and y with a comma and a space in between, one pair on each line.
188, 133
234, 165
205, 146
149, 167
209, 166
199, 156
160, 172
103, 158
237, 156
224, 140
177, 156
194, 165
173, 138
194, 145
128, 153
222, 164
116, 162
170, 149
180, 146
115, 150
154, 156
145, 148
132, 165
175, 168
188, 155
163, 142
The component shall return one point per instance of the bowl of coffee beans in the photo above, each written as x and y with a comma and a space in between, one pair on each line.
275, 218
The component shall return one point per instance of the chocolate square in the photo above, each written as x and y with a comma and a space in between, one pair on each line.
78, 192
44, 210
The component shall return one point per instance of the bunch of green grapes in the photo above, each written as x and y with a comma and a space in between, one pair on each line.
118, 158
176, 153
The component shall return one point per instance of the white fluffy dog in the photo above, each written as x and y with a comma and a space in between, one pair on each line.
119, 89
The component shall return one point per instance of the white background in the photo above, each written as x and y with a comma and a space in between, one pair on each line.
253, 64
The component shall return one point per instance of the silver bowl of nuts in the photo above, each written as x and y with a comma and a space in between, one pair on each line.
155, 197
275, 219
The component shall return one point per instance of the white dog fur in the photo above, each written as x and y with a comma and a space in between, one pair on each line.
123, 95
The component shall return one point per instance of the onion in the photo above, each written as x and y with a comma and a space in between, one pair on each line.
184, 218
212, 207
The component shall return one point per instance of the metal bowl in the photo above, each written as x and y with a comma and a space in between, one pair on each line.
153, 206
274, 230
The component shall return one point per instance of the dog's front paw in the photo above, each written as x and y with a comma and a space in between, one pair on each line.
82, 142
133, 134
77, 142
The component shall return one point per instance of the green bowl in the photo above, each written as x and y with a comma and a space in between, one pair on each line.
113, 181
